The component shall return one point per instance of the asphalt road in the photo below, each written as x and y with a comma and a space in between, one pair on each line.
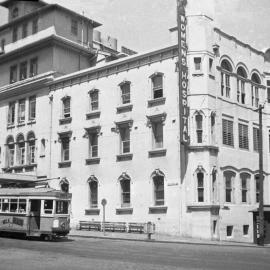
99, 254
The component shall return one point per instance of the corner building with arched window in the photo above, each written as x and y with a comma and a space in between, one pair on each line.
110, 129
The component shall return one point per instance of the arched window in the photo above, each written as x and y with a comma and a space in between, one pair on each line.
241, 78
124, 180
245, 187
255, 83
200, 187
93, 191
228, 182
64, 185
213, 127
15, 13
20, 149
157, 85
31, 148
199, 127
226, 69
158, 181
10, 151
214, 186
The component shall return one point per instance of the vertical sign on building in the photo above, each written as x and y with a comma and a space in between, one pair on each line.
183, 84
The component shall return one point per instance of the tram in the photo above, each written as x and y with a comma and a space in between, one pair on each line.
35, 212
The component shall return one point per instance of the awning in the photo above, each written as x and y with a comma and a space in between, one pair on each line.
16, 178
266, 208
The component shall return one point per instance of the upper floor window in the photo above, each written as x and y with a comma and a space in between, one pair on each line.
124, 131
94, 100
245, 187
32, 108
210, 65
199, 127
158, 189
33, 67
226, 69
157, 85
20, 150
197, 64
65, 151
227, 132
66, 107
13, 74
229, 177
241, 78
243, 136
125, 190
93, 144
3, 43
93, 190
23, 70
11, 113
10, 151
24, 30
214, 186
15, 34
125, 92
200, 187
15, 13
74, 27
31, 148
255, 84
35, 26
256, 137
268, 91
257, 188
213, 127
21, 111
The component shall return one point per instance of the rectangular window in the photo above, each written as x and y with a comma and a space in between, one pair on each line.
10, 155
33, 67
93, 185
257, 184
61, 207
24, 30
157, 129
157, 84
93, 145
94, 100
13, 74
244, 186
243, 92
21, 111
32, 108
125, 93
48, 206
256, 97
228, 87
125, 190
65, 148
11, 114
159, 190
229, 231
3, 43
268, 91
197, 63
23, 70
124, 139
210, 65
199, 128
22, 206
227, 132
21, 153
245, 229
200, 187
35, 26
15, 34
66, 107
228, 189
74, 27
243, 136
222, 84
256, 134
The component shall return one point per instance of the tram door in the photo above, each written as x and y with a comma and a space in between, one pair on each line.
34, 215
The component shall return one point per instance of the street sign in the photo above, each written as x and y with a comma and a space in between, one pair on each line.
103, 202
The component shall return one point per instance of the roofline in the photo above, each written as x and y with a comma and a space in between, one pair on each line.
8, 2
44, 9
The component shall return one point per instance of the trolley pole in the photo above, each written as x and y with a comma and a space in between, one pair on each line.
260, 241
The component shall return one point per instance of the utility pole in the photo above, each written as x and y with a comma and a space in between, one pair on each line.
260, 240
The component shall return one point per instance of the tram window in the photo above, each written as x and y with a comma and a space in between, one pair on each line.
5, 205
13, 205
48, 206
0, 205
22, 205
61, 207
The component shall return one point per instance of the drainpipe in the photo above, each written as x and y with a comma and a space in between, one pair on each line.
50, 134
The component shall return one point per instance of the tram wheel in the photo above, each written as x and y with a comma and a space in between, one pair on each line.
47, 237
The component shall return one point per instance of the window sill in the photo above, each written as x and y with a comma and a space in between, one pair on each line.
211, 76
157, 153
92, 115
124, 211
22, 168
158, 209
156, 102
64, 164
92, 212
10, 126
124, 108
90, 161
203, 148
64, 121
124, 157
197, 73
42, 156
31, 122
202, 206
21, 125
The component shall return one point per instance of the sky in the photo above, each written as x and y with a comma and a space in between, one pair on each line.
144, 24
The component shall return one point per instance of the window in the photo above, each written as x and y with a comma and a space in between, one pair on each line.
20, 150
268, 91
214, 186
124, 131
61, 207
32, 108
10, 151
197, 63
226, 69
245, 229
241, 77
243, 136
66, 107
93, 145
245, 182
3, 42
22, 206
31, 148
23, 70
74, 27
158, 189
15, 13
199, 127
94, 100
13, 205
157, 129
229, 230
11, 114
93, 187
255, 83
65, 149
33, 67
42, 147
24, 30
228, 178
157, 86
13, 74
21, 111
15, 34
125, 192
200, 187
125, 92
257, 188
256, 138
213, 128
48, 206
34, 26
227, 132
210, 67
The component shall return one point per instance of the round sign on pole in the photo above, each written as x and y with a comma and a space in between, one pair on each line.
103, 202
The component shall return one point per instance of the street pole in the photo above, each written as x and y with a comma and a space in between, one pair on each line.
261, 212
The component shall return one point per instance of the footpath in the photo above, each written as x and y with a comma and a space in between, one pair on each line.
156, 238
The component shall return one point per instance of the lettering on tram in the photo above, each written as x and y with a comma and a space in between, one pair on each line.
35, 212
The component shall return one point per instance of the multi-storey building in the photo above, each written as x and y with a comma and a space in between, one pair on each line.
112, 130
